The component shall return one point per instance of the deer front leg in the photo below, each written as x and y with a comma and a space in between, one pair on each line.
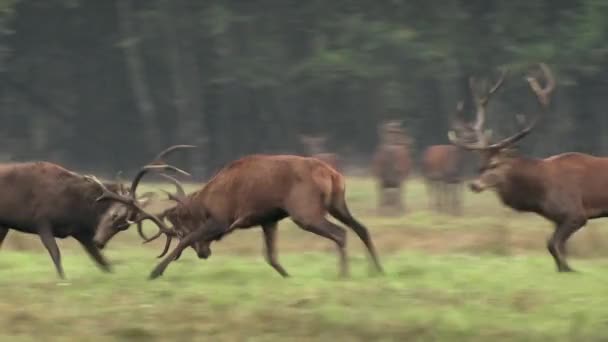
557, 243
270, 232
45, 232
183, 243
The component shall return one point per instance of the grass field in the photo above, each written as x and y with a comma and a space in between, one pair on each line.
484, 276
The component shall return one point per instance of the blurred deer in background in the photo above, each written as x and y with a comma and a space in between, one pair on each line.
315, 147
391, 166
567, 189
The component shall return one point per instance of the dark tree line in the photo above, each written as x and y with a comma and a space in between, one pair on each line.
104, 84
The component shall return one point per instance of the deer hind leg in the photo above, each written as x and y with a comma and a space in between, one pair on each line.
557, 243
340, 211
48, 240
270, 232
322, 227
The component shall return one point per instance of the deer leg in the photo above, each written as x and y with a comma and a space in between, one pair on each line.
89, 246
326, 229
557, 243
202, 233
381, 199
270, 232
341, 213
3, 233
429, 193
48, 240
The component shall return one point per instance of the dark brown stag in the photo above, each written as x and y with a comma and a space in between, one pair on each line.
391, 166
48, 200
261, 190
568, 189
315, 147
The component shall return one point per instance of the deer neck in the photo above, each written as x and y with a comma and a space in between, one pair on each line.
523, 186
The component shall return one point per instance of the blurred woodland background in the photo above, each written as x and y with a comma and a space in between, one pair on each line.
104, 84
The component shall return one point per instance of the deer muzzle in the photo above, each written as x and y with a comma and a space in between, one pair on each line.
477, 186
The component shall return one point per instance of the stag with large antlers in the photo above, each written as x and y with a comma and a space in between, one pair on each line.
261, 190
48, 200
567, 189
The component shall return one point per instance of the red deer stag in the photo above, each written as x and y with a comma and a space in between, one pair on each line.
48, 200
315, 147
391, 167
567, 189
260, 190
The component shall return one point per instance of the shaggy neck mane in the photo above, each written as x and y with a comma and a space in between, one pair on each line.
523, 186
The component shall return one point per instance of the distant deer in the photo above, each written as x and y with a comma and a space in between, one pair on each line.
442, 167
258, 190
567, 189
315, 147
391, 166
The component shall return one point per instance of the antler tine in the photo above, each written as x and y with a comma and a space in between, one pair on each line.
542, 94
178, 186
158, 164
498, 84
169, 150
148, 168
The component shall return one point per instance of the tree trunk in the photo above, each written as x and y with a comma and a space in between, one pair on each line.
136, 73
186, 86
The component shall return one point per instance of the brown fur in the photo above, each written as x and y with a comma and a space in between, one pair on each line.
442, 166
391, 165
567, 189
46, 199
260, 190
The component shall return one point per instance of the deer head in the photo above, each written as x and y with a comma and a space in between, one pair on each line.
128, 207
496, 158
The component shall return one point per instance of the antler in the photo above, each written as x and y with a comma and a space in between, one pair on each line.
542, 95
180, 194
158, 164
109, 195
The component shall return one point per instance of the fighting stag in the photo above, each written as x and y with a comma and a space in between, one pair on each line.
261, 190
567, 189
53, 202
315, 147
391, 166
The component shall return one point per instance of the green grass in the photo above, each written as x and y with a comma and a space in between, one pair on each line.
484, 276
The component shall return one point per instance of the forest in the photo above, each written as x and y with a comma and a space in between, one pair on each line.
104, 84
